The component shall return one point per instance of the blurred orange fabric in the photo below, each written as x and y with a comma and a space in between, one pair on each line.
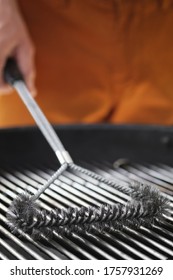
99, 61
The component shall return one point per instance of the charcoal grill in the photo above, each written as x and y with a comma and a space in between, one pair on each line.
124, 153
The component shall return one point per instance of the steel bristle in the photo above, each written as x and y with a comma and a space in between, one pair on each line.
146, 206
21, 213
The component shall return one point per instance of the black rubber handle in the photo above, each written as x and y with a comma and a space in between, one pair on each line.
12, 73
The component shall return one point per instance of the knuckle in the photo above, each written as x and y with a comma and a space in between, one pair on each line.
30, 48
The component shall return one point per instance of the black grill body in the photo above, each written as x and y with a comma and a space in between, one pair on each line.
26, 160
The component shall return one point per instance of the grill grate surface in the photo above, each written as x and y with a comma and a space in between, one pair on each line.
75, 191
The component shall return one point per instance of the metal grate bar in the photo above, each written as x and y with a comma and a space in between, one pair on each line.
3, 257
119, 247
11, 250
19, 243
91, 247
151, 243
150, 170
137, 170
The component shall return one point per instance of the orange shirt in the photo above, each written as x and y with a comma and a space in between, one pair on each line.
99, 61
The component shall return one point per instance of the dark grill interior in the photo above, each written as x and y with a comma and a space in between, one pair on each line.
26, 161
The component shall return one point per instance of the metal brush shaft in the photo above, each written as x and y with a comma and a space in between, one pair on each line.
94, 228
89, 215
42, 122
13, 76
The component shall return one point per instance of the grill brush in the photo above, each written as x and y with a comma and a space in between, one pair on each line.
145, 207
146, 204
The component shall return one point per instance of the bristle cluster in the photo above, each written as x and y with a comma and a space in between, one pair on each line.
21, 213
145, 207
151, 196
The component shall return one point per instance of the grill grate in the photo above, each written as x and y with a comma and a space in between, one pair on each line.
72, 190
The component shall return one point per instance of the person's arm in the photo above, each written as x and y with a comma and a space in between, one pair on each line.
16, 42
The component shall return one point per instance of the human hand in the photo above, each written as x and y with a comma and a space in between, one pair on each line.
15, 42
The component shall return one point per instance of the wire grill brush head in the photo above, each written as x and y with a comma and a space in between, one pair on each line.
146, 206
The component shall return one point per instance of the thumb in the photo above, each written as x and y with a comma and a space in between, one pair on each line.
25, 58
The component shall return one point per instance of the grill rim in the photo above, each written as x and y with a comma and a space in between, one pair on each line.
88, 141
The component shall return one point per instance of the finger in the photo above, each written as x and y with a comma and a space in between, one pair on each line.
5, 89
25, 59
30, 82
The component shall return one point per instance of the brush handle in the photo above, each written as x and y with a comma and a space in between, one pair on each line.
14, 77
